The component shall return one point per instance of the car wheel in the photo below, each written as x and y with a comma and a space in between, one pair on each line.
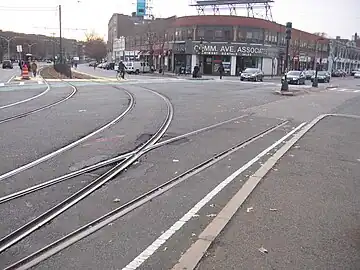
137, 72
241, 79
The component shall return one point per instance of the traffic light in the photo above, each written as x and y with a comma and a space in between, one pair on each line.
288, 30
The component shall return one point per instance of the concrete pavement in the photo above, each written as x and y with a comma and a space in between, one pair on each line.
305, 212
197, 104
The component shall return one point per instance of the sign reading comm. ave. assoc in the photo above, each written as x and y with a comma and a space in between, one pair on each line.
233, 49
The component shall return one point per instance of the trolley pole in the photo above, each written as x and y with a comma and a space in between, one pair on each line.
60, 22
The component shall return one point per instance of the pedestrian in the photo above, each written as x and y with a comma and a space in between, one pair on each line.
21, 63
221, 70
34, 68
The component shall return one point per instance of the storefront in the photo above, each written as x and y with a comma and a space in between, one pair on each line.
235, 57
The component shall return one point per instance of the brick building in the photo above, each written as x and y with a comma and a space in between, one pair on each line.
238, 42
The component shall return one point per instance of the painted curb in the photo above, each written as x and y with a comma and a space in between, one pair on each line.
191, 258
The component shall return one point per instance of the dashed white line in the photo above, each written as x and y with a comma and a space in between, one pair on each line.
21, 83
150, 250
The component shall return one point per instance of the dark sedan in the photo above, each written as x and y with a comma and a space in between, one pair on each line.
322, 76
294, 77
252, 74
7, 64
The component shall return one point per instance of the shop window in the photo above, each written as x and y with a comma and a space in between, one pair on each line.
249, 35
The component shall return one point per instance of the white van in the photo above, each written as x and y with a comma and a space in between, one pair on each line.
137, 67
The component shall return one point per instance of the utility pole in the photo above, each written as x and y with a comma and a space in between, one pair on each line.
61, 56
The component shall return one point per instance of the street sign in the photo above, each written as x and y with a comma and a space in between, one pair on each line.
19, 48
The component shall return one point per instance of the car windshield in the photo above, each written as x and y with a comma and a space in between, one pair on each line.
251, 70
6, 62
322, 73
309, 71
294, 72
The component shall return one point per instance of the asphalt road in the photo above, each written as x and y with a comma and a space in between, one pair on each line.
197, 104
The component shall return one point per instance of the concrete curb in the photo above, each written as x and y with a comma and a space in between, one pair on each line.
190, 259
93, 77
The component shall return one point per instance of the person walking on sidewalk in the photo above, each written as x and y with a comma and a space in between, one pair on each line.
221, 70
34, 68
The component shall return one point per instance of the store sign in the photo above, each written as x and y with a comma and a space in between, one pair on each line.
236, 49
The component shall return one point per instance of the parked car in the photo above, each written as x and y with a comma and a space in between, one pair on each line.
322, 76
309, 74
357, 75
354, 71
338, 73
252, 74
92, 64
110, 66
295, 77
7, 64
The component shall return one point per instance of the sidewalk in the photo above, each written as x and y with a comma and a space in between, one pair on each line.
305, 214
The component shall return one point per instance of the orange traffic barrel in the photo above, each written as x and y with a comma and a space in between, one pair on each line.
25, 73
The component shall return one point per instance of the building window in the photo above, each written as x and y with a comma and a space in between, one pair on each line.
190, 34
228, 35
249, 35
218, 33
241, 35
209, 35
200, 33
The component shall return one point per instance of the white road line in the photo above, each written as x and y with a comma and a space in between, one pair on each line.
342, 90
21, 83
40, 82
150, 250
26, 100
2, 84
356, 91
12, 77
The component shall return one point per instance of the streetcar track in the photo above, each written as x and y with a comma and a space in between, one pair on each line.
74, 143
95, 225
58, 209
47, 89
108, 162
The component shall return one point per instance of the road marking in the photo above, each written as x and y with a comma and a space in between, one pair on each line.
342, 90
26, 100
40, 82
12, 77
2, 84
190, 259
356, 91
150, 250
21, 83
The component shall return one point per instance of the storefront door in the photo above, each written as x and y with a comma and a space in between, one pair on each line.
208, 62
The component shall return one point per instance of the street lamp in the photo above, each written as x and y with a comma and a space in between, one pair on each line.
315, 81
30, 46
285, 84
8, 40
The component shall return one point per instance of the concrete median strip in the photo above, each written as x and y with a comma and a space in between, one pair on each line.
94, 77
190, 259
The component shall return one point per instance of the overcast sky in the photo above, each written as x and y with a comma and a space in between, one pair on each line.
331, 16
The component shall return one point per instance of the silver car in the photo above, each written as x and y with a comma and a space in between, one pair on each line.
252, 74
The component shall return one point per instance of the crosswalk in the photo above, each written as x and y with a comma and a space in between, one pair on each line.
347, 90
21, 83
